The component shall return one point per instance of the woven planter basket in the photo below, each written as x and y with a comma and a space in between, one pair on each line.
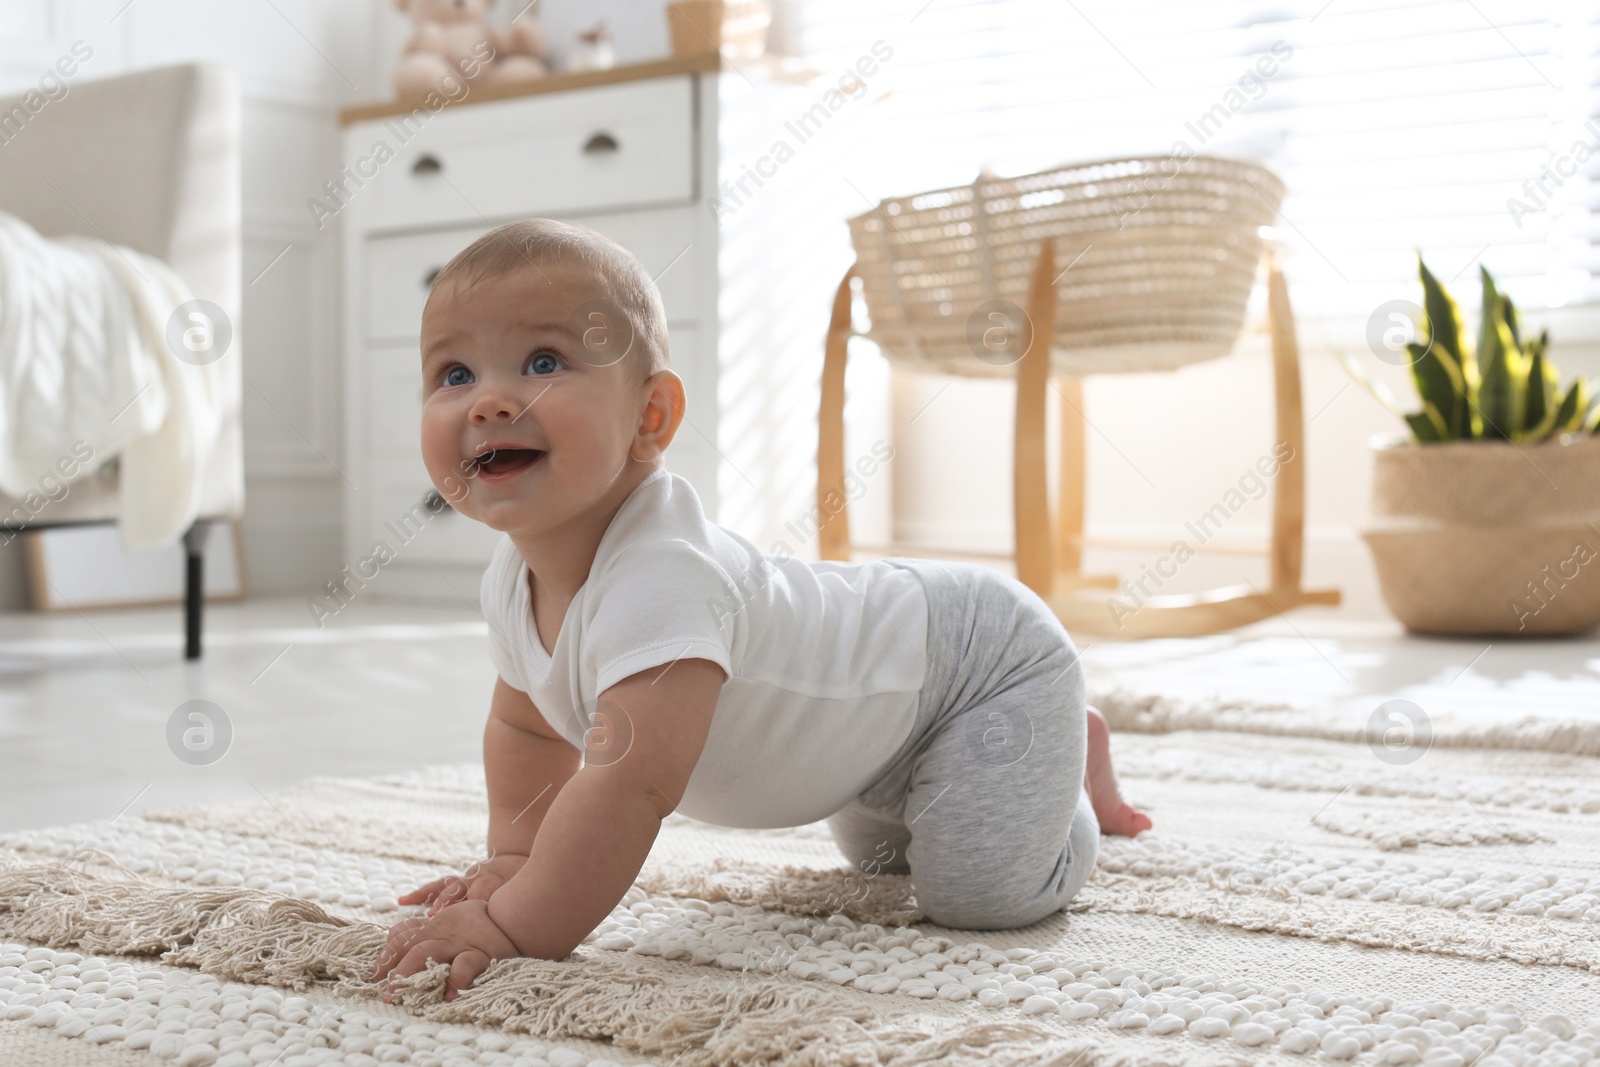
1172, 253
1486, 537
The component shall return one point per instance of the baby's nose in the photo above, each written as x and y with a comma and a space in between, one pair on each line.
492, 407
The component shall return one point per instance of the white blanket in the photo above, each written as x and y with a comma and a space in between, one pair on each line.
84, 357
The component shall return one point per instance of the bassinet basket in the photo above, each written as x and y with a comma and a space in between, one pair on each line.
1159, 257
1127, 265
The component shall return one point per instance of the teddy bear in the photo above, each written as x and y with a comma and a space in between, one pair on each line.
453, 40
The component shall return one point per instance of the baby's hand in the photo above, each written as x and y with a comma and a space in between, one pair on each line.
480, 880
462, 935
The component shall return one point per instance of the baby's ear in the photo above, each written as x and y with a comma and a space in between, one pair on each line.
403, 5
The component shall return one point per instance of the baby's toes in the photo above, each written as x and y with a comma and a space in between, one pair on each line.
1125, 821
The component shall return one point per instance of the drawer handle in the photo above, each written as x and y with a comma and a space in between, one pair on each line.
428, 164
434, 502
431, 277
599, 143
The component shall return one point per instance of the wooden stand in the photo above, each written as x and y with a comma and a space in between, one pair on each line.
1049, 551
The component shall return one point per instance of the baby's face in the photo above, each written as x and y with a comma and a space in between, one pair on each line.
505, 368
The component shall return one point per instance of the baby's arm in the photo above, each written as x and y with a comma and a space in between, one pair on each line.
598, 831
525, 764
594, 836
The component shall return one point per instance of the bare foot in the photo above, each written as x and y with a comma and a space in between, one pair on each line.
1116, 815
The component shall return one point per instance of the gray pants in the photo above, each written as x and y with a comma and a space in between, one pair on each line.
984, 804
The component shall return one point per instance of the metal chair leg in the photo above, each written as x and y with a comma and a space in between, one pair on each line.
194, 543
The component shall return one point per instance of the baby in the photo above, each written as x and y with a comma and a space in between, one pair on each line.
651, 661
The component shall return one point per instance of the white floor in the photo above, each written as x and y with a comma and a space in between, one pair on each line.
85, 701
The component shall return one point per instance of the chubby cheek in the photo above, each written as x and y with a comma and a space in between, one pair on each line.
441, 453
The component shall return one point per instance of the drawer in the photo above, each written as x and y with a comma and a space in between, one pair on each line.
399, 270
600, 148
394, 416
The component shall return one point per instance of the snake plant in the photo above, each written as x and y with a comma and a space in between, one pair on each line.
1502, 389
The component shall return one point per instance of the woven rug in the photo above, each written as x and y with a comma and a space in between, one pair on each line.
1302, 899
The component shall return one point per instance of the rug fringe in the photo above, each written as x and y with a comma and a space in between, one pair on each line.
703, 1017
710, 1018
884, 899
242, 935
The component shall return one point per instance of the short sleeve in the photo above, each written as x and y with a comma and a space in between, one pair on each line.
495, 596
659, 602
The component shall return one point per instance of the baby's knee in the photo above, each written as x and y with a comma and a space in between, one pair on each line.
1003, 905
992, 896
982, 910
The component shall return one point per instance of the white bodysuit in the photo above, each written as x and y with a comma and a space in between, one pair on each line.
825, 661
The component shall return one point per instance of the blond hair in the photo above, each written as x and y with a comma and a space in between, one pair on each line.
537, 242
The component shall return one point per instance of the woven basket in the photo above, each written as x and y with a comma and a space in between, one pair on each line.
1172, 249
736, 28
1488, 537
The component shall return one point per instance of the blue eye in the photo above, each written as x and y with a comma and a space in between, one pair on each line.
544, 360
451, 379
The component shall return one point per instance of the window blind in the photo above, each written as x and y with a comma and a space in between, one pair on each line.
1468, 129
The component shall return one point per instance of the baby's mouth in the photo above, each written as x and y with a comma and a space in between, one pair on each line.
507, 460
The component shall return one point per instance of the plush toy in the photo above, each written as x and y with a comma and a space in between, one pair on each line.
452, 42
519, 53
